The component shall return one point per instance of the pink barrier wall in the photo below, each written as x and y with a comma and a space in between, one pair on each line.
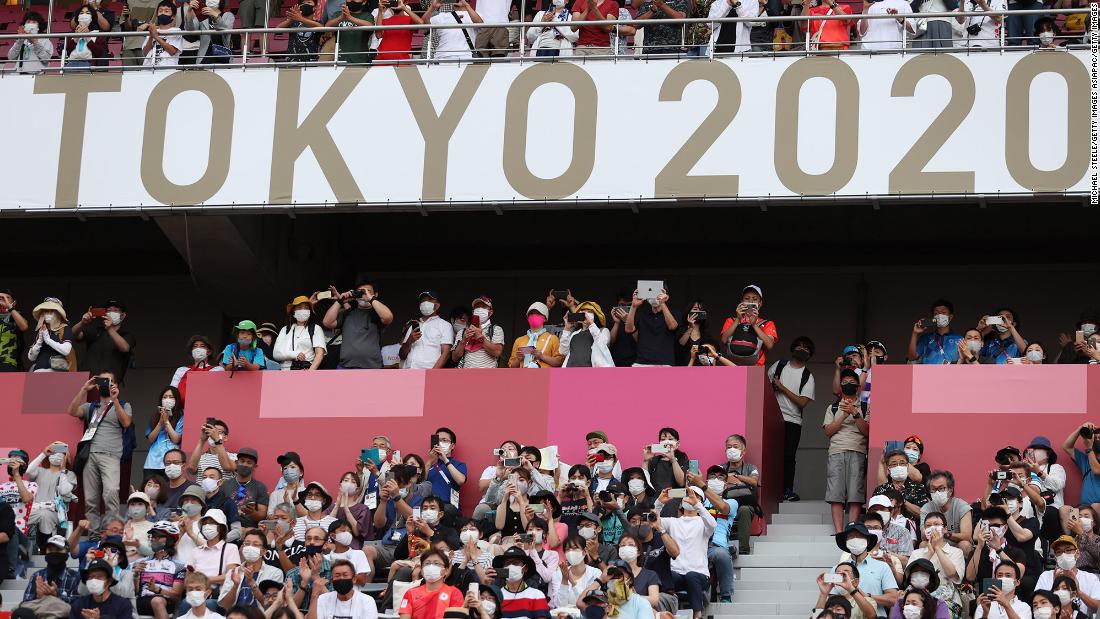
965, 414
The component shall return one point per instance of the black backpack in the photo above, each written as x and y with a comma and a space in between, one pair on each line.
782, 363
745, 342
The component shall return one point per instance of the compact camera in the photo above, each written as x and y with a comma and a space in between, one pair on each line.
974, 29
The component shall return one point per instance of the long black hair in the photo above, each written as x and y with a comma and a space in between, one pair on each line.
177, 410
94, 25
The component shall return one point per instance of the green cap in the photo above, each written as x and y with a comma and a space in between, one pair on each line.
246, 325
596, 434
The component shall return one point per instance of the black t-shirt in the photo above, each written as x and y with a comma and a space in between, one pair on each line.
625, 349
171, 498
113, 606
7, 525
656, 343
294, 552
645, 578
683, 353
1031, 560
660, 471
658, 561
253, 490
103, 355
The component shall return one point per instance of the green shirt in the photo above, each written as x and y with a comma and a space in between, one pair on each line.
355, 46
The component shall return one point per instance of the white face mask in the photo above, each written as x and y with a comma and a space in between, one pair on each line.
939, 497
1087, 329
198, 354
173, 471
57, 459
716, 485
733, 454
196, 598
1008, 585
168, 403
96, 586
1042, 613
898, 473
574, 557
913, 455
31, 28
928, 531
445, 447
114, 317
1035, 356
432, 572
348, 488
251, 554
488, 607
1064, 596
430, 516
974, 346
300, 315
1086, 523
209, 531
628, 553
469, 536
605, 467
911, 611
587, 532
1066, 561
313, 505
621, 503
856, 546
536, 536
209, 484
482, 314
427, 308
920, 580
1010, 506
636, 486
212, 4
941, 320
515, 573
343, 538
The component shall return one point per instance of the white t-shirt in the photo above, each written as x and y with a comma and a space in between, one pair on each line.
885, 33
158, 56
1088, 582
567, 595
294, 340
356, 557
330, 606
792, 379
494, 11
693, 535
989, 36
452, 44
1022, 608
434, 331
208, 615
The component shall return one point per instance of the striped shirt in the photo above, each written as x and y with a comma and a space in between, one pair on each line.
527, 602
305, 522
479, 358
485, 559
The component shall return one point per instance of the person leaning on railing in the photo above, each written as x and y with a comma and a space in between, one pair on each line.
210, 15
302, 46
396, 44
31, 55
828, 33
549, 38
885, 34
83, 52
162, 46
981, 31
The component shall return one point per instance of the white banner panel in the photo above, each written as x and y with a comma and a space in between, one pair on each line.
862, 126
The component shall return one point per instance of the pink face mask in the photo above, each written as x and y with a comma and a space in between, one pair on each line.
536, 321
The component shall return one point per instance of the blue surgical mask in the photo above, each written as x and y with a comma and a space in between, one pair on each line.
243, 343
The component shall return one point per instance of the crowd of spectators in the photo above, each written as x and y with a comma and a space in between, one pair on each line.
187, 33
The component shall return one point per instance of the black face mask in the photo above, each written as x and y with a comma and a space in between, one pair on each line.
55, 561
342, 585
157, 545
307, 10
314, 550
880, 359
641, 531
849, 388
800, 354
164, 20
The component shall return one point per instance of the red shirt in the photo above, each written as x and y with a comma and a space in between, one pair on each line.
834, 32
183, 381
766, 326
396, 44
424, 604
594, 35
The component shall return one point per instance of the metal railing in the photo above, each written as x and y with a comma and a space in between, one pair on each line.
796, 48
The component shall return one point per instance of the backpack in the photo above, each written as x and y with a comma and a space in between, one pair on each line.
744, 342
782, 363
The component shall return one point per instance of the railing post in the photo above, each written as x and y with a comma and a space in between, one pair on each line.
1001, 33
522, 39
49, 17
244, 48
336, 48
710, 41
904, 35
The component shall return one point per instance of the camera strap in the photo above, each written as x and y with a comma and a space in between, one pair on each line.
464, 33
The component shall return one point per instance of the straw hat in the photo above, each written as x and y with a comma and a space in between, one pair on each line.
50, 303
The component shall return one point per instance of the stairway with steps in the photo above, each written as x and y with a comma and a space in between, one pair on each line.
778, 580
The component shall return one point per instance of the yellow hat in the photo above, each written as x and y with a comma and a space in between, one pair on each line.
298, 300
592, 306
1064, 539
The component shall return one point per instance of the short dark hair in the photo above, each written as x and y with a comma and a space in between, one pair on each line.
366, 280
36, 17
944, 474
336, 524
343, 563
802, 339
1015, 316
256, 532
534, 451
851, 564
166, 4
175, 450
579, 468
995, 512
872, 516
402, 473
939, 515
943, 303
214, 468
432, 499
672, 431
894, 496
450, 433
1016, 569
895, 452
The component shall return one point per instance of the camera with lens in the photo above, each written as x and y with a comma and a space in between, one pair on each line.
357, 293
1086, 432
974, 29
998, 475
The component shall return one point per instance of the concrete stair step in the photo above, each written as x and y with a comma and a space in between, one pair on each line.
740, 609
798, 616
799, 539
771, 547
806, 598
776, 587
800, 529
805, 507
789, 574
801, 519
788, 560
17, 584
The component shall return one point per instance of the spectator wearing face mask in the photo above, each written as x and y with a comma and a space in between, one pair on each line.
692, 531
577, 576
920, 579
918, 471
913, 491
538, 348
300, 344
653, 326
110, 343
998, 532
85, 51
845, 598
244, 355
846, 426
397, 502
794, 387
249, 494
427, 344
1034, 354
666, 466
747, 336
947, 560
106, 420
396, 44
552, 36
210, 451
957, 513
209, 16
876, 578
202, 352
585, 344
1087, 461
165, 429
100, 602
361, 317
53, 583
741, 483
1002, 341
932, 342
896, 536
265, 341
343, 600
1074, 350
302, 46
519, 599
174, 463
1066, 555
852, 357
969, 347
50, 471
446, 473
479, 345
165, 41
31, 55
624, 348
20, 494
1068, 593
639, 493
694, 334
12, 325
1042, 462
52, 350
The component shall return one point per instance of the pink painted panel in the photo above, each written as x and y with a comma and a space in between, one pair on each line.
631, 404
345, 393
1005, 390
